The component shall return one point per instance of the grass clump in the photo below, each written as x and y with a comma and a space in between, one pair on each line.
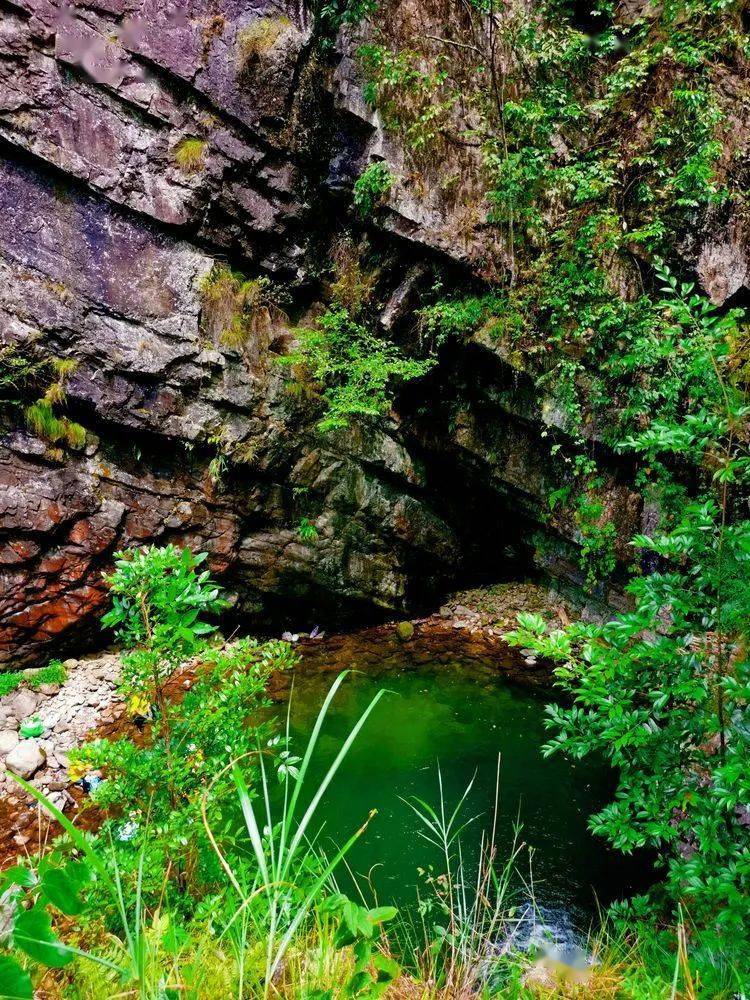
190, 154
258, 38
53, 673
22, 376
354, 282
240, 311
41, 417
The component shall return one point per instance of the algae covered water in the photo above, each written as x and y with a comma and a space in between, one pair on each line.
463, 723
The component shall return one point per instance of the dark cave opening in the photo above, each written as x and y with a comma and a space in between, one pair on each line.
458, 421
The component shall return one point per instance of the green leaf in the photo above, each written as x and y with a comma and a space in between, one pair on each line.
362, 954
388, 968
358, 982
62, 885
174, 938
381, 914
32, 933
17, 875
32, 728
15, 983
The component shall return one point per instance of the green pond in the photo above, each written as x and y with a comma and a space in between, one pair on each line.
463, 722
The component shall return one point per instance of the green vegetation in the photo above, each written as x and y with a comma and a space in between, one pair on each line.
331, 15
372, 187
190, 154
25, 372
355, 367
411, 101
240, 311
53, 673
207, 877
307, 530
590, 154
169, 894
600, 149
662, 690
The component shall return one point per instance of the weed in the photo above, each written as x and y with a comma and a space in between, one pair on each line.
190, 155
258, 38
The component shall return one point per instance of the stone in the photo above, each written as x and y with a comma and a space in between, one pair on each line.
58, 799
23, 704
25, 759
8, 740
405, 631
105, 244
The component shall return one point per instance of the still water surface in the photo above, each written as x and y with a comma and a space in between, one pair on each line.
463, 722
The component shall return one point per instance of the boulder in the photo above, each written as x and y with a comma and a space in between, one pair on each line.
23, 704
25, 759
405, 631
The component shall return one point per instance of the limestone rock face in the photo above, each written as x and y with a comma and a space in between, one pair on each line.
109, 230
105, 243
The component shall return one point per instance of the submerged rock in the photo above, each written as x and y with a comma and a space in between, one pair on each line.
405, 631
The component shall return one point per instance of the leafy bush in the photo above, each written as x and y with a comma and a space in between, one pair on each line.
152, 791
663, 690
355, 367
372, 187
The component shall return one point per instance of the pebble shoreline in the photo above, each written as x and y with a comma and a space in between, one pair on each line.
69, 712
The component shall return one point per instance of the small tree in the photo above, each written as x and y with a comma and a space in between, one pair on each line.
152, 789
158, 604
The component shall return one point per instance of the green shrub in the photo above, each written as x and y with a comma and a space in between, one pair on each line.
160, 604
355, 368
372, 187
662, 690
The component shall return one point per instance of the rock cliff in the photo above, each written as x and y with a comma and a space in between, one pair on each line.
142, 143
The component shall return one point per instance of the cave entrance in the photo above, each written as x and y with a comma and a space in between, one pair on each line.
469, 440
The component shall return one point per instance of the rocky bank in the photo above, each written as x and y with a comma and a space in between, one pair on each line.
467, 630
